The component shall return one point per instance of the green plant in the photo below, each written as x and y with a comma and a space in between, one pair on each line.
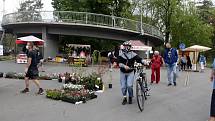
53, 94
91, 81
20, 76
10, 75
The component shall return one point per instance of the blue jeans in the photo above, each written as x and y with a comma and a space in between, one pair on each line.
171, 73
126, 80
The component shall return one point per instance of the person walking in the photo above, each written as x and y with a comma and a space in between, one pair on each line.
110, 59
189, 64
31, 69
212, 110
126, 61
183, 62
202, 62
156, 63
170, 58
40, 59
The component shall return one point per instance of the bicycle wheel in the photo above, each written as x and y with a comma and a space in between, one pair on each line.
140, 95
145, 87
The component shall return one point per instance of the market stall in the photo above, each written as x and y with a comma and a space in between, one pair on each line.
21, 56
194, 52
80, 54
141, 49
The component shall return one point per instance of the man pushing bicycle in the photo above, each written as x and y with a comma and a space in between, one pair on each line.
126, 61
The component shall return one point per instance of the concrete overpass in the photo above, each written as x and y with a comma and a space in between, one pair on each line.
51, 24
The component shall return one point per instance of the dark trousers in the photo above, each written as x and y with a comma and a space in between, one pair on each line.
183, 66
212, 114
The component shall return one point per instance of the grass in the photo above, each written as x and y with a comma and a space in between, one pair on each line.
6, 58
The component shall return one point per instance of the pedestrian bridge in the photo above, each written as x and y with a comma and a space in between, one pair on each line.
49, 23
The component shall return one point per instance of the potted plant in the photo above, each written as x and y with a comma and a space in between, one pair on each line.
53, 94
10, 75
20, 76
1, 74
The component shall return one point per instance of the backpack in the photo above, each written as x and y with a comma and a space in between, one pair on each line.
38, 56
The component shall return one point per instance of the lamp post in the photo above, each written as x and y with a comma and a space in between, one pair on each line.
3, 8
141, 17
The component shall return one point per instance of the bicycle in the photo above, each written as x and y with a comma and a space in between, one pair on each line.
141, 86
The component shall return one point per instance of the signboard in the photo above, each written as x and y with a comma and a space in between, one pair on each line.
182, 46
1, 49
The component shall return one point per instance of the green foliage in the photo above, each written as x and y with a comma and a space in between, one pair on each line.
6, 58
9, 41
92, 80
96, 56
120, 8
29, 10
188, 28
53, 94
10, 75
179, 20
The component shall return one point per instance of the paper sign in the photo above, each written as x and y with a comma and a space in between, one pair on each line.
1, 49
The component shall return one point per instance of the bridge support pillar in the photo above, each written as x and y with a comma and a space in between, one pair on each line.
51, 44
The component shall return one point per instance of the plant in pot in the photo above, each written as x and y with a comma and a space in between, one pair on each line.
54, 94
10, 75
1, 74
20, 76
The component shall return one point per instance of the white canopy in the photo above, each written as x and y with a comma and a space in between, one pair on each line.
138, 45
78, 45
197, 48
143, 48
30, 39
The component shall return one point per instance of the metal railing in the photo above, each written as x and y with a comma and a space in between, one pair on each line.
81, 18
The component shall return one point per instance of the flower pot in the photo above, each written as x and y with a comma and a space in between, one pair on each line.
101, 86
10, 75
1, 74
60, 80
110, 86
53, 94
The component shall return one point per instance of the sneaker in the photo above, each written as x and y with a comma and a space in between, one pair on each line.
130, 100
40, 92
26, 90
124, 101
169, 84
174, 83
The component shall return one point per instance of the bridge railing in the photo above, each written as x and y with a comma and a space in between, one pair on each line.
81, 18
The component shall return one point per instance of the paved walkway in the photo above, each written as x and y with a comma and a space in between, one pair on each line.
181, 103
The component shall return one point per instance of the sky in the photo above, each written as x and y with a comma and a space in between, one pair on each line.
13, 5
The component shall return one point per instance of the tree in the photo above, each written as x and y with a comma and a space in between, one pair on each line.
187, 27
178, 20
120, 8
29, 10
9, 41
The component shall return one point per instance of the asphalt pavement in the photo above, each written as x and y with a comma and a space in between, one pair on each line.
189, 102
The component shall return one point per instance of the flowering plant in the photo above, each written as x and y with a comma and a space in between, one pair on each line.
73, 87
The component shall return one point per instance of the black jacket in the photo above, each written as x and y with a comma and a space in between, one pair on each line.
128, 58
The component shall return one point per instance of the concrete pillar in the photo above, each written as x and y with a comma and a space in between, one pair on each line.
51, 44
